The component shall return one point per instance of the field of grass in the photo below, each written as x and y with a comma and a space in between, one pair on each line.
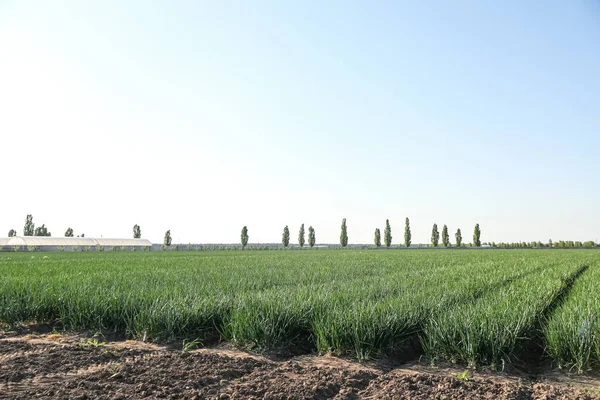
473, 307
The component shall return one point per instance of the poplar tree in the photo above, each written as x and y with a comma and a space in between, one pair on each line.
445, 237
42, 231
377, 237
137, 232
477, 236
244, 237
311, 236
458, 237
387, 234
285, 237
435, 236
407, 235
301, 236
167, 241
29, 228
344, 234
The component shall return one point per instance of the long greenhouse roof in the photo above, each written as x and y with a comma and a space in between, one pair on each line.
71, 241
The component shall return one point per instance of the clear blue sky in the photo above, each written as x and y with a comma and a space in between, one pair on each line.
202, 117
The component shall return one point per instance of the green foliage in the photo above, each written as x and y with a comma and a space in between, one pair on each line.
311, 236
407, 234
472, 307
285, 237
92, 343
191, 345
490, 330
167, 241
377, 237
465, 375
572, 333
12, 233
387, 234
244, 237
137, 232
69, 232
301, 236
445, 236
477, 236
435, 236
458, 237
42, 231
29, 228
344, 234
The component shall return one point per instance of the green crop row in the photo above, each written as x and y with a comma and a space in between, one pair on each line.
469, 306
487, 332
572, 334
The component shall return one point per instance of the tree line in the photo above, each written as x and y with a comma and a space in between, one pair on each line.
30, 229
435, 236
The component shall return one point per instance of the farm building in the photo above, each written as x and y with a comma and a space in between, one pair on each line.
45, 243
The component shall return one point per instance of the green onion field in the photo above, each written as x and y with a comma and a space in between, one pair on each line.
475, 307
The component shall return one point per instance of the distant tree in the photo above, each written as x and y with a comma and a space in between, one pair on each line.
137, 232
311, 236
477, 236
377, 237
29, 228
83, 235
301, 236
167, 241
285, 238
344, 234
445, 237
549, 242
387, 234
41, 231
407, 235
244, 237
435, 236
69, 232
12, 233
458, 237
589, 244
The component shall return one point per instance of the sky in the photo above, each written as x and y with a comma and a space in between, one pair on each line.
202, 117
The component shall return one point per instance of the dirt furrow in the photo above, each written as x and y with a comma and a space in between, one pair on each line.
127, 370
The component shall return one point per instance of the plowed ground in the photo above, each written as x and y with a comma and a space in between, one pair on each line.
54, 366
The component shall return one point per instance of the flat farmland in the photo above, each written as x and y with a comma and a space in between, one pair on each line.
477, 308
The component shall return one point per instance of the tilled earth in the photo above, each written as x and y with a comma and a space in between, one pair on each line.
70, 367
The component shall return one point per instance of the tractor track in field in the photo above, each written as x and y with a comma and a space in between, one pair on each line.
74, 367
533, 357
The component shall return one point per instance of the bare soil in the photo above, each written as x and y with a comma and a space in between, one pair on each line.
55, 366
